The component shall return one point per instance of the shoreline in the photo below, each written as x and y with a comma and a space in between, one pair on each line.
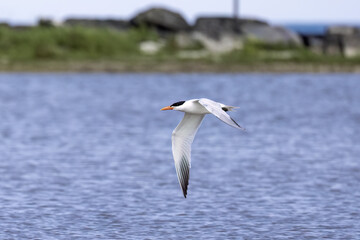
174, 67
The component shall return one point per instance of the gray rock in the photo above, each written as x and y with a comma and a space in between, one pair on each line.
289, 36
216, 26
259, 30
161, 19
186, 40
342, 30
151, 47
270, 34
352, 47
98, 23
225, 43
315, 44
342, 40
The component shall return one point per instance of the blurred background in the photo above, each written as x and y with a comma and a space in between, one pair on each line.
85, 152
234, 35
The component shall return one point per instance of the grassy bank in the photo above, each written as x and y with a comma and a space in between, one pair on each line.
95, 49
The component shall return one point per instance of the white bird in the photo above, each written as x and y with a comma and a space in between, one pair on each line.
184, 133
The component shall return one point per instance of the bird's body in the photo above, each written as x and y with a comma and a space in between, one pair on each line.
183, 135
193, 106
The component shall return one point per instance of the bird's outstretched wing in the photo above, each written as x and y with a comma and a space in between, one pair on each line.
215, 108
182, 138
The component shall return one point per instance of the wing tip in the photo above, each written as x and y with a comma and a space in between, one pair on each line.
185, 193
239, 127
184, 189
183, 173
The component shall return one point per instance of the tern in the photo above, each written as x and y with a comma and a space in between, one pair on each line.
183, 135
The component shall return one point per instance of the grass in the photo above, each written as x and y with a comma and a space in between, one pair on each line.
255, 52
65, 43
56, 48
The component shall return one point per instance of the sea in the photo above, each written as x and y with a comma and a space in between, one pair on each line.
88, 156
317, 29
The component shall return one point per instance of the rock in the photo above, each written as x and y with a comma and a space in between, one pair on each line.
289, 36
226, 42
98, 23
216, 26
198, 41
270, 34
342, 30
342, 40
186, 40
150, 47
250, 28
162, 20
315, 44
352, 47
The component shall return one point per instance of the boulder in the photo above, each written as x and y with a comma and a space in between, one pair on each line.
270, 34
249, 28
342, 40
188, 40
162, 20
150, 47
199, 41
352, 47
216, 26
226, 43
314, 44
342, 30
289, 36
98, 23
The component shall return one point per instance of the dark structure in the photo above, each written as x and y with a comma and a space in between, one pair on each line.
216, 26
162, 20
342, 40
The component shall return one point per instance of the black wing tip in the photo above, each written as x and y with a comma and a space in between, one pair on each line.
241, 128
185, 175
184, 189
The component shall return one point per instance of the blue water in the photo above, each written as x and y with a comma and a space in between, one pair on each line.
88, 156
315, 28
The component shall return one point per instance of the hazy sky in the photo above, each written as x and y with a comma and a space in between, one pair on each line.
20, 11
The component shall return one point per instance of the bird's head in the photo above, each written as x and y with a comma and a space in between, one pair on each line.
175, 106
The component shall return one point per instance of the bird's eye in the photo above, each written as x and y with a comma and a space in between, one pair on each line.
177, 104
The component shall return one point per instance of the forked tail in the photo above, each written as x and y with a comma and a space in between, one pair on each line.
228, 108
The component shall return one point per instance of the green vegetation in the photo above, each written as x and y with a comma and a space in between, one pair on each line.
66, 48
255, 51
65, 43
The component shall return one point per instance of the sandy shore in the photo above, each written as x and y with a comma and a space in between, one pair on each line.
173, 67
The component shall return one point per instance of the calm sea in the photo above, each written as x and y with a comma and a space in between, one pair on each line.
315, 28
88, 156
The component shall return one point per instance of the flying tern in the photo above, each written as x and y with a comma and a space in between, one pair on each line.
183, 135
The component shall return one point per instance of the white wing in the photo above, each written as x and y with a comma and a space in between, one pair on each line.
182, 138
215, 108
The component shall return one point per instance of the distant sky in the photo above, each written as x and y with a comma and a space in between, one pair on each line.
28, 11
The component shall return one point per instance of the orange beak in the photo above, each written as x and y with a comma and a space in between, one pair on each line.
167, 108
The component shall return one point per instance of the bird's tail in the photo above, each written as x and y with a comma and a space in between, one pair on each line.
228, 108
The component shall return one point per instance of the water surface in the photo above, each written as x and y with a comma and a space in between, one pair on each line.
88, 156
